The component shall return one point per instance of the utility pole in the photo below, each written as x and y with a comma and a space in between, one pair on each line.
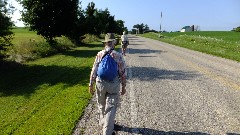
160, 25
161, 22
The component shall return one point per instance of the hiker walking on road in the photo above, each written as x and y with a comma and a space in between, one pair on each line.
124, 43
108, 85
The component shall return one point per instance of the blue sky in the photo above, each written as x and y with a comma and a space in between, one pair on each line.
209, 15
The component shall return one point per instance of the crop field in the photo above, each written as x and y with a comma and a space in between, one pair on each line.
219, 43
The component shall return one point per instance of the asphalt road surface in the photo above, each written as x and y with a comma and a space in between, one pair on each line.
173, 91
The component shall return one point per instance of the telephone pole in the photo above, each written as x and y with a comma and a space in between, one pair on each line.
161, 22
160, 25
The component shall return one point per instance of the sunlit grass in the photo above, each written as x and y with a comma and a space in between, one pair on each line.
27, 45
48, 95
24, 35
223, 44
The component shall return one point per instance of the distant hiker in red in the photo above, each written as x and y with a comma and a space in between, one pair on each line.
109, 73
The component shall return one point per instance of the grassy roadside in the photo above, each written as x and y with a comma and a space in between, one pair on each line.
222, 44
48, 95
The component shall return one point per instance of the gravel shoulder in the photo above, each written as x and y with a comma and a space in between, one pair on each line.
172, 90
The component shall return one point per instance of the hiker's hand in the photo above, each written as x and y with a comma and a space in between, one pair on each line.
123, 91
90, 90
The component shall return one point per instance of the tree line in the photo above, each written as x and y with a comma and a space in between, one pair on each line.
54, 18
5, 25
141, 28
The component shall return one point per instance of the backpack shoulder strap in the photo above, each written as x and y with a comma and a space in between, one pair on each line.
108, 52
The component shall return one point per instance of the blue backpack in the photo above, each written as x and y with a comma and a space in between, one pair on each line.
108, 68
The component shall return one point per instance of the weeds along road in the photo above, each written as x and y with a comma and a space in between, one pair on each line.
172, 90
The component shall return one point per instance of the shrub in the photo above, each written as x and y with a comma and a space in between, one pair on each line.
31, 50
64, 44
238, 29
89, 38
26, 51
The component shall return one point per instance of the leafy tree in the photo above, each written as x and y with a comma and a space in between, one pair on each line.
120, 27
50, 18
125, 29
5, 27
111, 26
102, 17
101, 21
108, 23
80, 28
91, 18
140, 27
146, 28
238, 29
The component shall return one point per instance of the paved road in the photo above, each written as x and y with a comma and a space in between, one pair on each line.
172, 90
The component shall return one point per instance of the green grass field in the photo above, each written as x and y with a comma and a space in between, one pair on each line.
219, 43
225, 35
48, 95
23, 35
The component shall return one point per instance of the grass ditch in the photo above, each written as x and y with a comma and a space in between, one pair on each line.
222, 44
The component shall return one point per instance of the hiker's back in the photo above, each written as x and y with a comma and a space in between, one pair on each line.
108, 67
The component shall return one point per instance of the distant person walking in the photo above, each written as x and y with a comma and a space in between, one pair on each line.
124, 43
109, 73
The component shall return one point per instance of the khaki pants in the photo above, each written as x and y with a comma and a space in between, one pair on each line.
107, 98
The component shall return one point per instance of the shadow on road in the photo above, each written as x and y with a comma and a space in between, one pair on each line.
152, 73
134, 44
148, 131
144, 51
134, 39
147, 56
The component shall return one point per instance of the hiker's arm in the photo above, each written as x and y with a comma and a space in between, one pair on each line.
123, 91
123, 83
123, 75
93, 74
90, 90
